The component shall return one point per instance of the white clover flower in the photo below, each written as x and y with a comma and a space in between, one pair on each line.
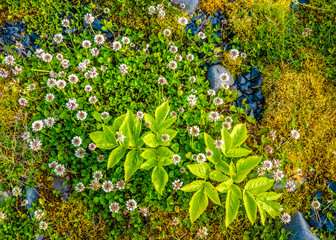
43, 225
267, 165
94, 51
88, 88
80, 153
194, 131
114, 207
58, 38
201, 158
278, 175
49, 122
227, 125
116, 46
218, 101
106, 10
81, 115
125, 40
38, 214
89, 18
140, 115
104, 115
107, 186
211, 92
59, 170
53, 164
176, 159
25, 136
120, 137
295, 134
97, 175
202, 233
76, 141
23, 101
234, 53
316, 204
61, 84
37, 125
17, 191
86, 44
79, 187
151, 10
131, 205
99, 39
9, 60
165, 137
285, 218
201, 35
190, 57
93, 99
35, 144
214, 116
166, 32
121, 184
73, 78
162, 81
183, 21
177, 184
65, 23
47, 57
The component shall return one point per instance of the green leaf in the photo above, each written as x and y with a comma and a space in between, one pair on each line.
103, 140
198, 204
227, 141
261, 212
193, 187
151, 120
172, 133
238, 152
223, 167
259, 185
150, 140
271, 207
159, 179
232, 204
167, 123
96, 115
161, 113
165, 161
200, 170
269, 196
210, 143
244, 166
150, 163
132, 163
250, 206
164, 152
149, 154
218, 176
224, 187
212, 193
117, 122
239, 135
115, 156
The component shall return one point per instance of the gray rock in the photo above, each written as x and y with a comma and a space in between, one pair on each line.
58, 186
32, 196
214, 77
252, 106
314, 223
190, 5
299, 228
279, 185
4, 195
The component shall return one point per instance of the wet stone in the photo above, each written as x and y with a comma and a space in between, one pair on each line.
315, 223
299, 228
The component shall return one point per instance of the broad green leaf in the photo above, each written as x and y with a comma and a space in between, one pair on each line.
150, 163
261, 212
244, 166
167, 123
200, 170
271, 207
150, 140
125, 130
250, 206
223, 167
239, 135
198, 204
269, 196
161, 113
224, 187
149, 153
159, 179
172, 133
232, 169
164, 152
103, 140
218, 176
117, 122
132, 163
115, 156
238, 152
227, 141
232, 204
110, 133
259, 185
164, 161
212, 193
149, 119
193, 187
210, 143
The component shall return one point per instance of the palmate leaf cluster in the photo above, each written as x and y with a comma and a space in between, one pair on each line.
231, 169
143, 151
